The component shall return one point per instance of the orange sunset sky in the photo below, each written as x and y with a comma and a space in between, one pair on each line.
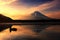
17, 10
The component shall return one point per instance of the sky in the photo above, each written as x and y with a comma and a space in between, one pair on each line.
23, 8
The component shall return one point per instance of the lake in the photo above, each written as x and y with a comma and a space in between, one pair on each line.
32, 32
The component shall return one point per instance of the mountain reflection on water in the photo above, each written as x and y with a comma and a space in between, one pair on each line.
32, 32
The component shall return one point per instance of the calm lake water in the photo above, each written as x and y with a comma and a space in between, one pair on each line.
32, 32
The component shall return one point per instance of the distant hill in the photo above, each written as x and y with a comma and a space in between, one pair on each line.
4, 18
38, 16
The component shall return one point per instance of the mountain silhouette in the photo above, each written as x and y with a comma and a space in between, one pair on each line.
4, 19
39, 16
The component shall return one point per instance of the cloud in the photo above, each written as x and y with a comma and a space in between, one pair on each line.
4, 2
33, 2
55, 7
53, 14
23, 8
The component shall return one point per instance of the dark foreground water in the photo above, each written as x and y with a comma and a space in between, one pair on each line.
32, 32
